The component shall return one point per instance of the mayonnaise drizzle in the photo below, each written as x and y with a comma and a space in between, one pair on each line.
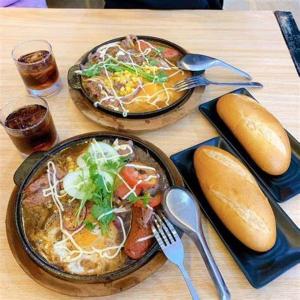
132, 190
120, 209
142, 167
145, 238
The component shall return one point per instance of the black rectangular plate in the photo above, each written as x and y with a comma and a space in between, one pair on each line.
282, 187
259, 268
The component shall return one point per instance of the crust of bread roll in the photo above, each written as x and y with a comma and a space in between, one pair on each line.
258, 131
236, 198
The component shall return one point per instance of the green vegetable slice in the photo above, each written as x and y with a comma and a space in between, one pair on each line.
99, 152
76, 183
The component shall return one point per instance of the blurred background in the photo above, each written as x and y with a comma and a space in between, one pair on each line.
284, 5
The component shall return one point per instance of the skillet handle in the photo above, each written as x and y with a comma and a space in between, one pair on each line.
27, 166
74, 78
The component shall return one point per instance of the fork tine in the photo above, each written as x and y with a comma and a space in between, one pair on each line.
161, 231
170, 226
187, 87
192, 78
183, 82
161, 243
166, 227
182, 86
186, 81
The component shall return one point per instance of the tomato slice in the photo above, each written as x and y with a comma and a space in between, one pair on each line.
170, 53
146, 185
130, 175
122, 190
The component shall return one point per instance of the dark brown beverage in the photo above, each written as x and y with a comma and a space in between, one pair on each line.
38, 69
31, 128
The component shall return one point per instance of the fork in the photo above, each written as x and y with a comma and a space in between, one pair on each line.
171, 245
202, 81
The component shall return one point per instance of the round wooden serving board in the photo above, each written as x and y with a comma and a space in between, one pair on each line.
134, 125
68, 287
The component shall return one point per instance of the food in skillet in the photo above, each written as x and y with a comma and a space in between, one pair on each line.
133, 75
89, 211
236, 198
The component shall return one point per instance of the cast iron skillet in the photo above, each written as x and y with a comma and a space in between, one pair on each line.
75, 82
32, 165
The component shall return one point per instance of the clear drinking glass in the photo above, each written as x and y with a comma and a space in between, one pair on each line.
28, 122
37, 67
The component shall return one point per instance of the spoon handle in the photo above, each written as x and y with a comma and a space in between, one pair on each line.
222, 63
211, 265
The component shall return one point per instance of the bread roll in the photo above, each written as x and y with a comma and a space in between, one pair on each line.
258, 131
236, 198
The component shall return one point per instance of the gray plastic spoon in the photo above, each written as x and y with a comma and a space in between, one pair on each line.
182, 209
200, 62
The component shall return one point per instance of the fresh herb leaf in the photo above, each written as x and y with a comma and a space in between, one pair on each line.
160, 77
89, 225
132, 198
101, 189
92, 71
153, 62
113, 166
159, 50
98, 210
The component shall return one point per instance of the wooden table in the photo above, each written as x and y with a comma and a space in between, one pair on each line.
249, 40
